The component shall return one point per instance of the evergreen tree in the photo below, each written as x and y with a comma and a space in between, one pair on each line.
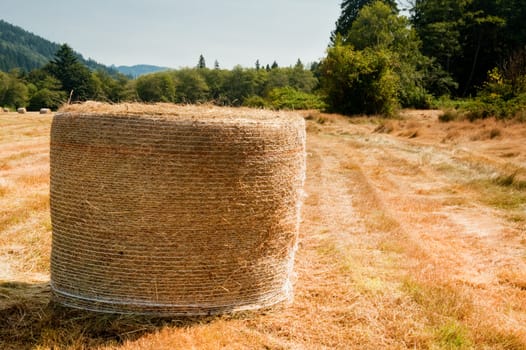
299, 65
469, 38
274, 65
350, 10
201, 64
258, 66
73, 75
216, 64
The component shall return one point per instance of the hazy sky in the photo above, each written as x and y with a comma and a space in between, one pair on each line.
174, 33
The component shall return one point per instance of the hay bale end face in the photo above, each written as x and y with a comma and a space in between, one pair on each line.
21, 110
166, 210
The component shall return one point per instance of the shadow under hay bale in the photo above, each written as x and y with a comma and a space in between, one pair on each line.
167, 210
29, 320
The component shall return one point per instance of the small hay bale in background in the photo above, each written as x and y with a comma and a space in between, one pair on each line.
21, 110
170, 210
5, 109
45, 110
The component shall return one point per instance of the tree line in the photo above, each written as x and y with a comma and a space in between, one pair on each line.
377, 61
66, 79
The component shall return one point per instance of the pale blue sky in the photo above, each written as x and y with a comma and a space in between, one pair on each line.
174, 33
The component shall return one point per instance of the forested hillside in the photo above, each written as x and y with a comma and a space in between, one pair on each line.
21, 49
27, 51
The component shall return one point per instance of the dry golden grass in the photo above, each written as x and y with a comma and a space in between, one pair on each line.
406, 243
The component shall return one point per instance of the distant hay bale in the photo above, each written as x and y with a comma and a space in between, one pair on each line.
21, 110
6, 110
45, 110
170, 210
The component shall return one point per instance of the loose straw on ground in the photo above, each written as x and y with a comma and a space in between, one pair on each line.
174, 210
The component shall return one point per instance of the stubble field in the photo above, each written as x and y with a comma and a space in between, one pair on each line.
413, 237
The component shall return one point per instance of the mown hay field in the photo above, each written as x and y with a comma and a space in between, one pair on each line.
413, 236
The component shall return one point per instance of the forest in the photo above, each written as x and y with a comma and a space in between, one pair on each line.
467, 57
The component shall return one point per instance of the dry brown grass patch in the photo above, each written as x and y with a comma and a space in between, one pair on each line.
513, 276
404, 245
386, 127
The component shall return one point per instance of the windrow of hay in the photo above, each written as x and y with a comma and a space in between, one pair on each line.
174, 210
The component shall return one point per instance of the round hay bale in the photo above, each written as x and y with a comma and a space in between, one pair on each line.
21, 110
45, 110
170, 210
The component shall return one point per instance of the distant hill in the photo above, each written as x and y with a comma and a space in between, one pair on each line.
138, 70
22, 49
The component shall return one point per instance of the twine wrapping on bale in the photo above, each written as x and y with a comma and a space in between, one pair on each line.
171, 210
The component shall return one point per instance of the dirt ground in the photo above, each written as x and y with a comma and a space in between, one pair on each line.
413, 237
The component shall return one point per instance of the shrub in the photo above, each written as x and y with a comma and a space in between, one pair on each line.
290, 98
448, 115
357, 82
497, 98
46, 98
255, 101
157, 87
190, 85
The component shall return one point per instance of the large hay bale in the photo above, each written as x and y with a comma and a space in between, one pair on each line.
166, 210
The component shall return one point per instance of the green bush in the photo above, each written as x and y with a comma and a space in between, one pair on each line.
485, 106
357, 82
497, 98
157, 87
255, 102
46, 98
290, 98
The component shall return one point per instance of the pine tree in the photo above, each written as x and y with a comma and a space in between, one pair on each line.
350, 10
73, 75
469, 38
274, 65
216, 64
299, 65
201, 64
258, 66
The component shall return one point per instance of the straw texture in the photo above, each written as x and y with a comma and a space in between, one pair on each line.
169, 210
